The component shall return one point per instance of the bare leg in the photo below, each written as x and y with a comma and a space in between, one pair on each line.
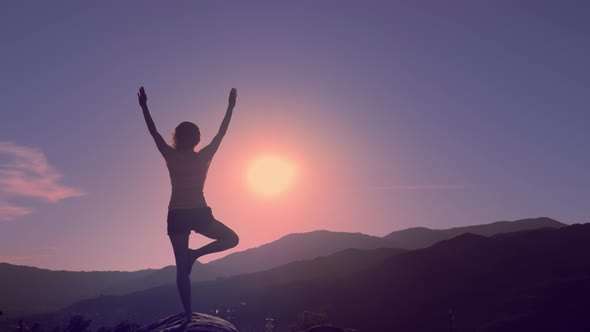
225, 238
183, 283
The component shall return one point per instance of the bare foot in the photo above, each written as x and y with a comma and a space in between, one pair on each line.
181, 327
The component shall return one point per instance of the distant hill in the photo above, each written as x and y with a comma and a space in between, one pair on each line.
293, 247
421, 237
503, 283
289, 248
231, 292
27, 289
165, 275
536, 280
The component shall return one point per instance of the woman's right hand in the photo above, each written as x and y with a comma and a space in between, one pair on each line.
142, 97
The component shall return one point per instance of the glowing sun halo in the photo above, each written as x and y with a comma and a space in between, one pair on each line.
270, 175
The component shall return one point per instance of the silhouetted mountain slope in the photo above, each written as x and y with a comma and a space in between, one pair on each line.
44, 290
498, 283
343, 263
158, 277
557, 306
422, 237
509, 226
293, 247
143, 306
482, 279
163, 276
27, 289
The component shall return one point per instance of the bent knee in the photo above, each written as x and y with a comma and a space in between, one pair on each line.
233, 240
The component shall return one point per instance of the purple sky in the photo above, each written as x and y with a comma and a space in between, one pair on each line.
400, 113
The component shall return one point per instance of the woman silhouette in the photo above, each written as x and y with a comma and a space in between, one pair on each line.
187, 209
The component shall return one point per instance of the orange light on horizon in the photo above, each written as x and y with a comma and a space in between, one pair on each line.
271, 175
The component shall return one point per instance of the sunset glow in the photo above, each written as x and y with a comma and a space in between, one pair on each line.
375, 117
271, 175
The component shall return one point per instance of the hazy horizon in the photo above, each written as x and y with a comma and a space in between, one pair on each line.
262, 244
395, 115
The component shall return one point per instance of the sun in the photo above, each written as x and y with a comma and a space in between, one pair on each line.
271, 175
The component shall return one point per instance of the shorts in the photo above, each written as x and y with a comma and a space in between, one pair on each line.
183, 221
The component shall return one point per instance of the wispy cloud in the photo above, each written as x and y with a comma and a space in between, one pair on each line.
25, 172
10, 212
421, 187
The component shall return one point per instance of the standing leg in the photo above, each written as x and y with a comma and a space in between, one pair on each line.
225, 238
183, 282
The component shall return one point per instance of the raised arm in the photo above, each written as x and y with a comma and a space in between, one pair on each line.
214, 145
160, 143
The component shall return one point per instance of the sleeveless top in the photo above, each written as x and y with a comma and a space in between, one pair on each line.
188, 171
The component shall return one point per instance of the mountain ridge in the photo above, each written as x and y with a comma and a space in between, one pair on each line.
24, 293
478, 277
421, 237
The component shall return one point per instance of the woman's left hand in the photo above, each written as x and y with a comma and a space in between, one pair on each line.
232, 97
